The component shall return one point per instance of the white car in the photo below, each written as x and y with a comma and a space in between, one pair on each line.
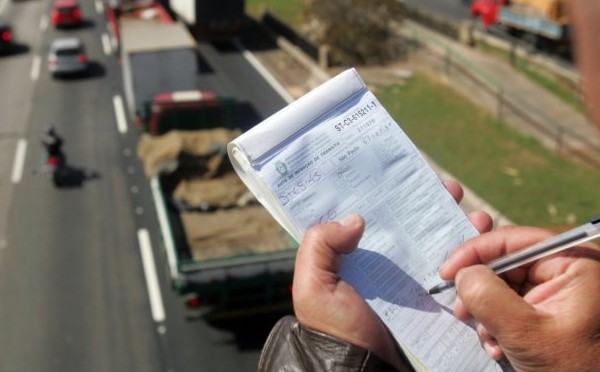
67, 57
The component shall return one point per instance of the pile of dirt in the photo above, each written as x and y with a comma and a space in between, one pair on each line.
233, 232
220, 216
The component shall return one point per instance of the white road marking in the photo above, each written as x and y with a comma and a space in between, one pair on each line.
19, 162
43, 23
36, 65
156, 303
114, 42
264, 73
106, 44
120, 114
99, 6
163, 221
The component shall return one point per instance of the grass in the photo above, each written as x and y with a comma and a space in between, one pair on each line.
290, 11
514, 173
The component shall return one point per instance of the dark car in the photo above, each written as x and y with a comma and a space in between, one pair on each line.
66, 13
6, 38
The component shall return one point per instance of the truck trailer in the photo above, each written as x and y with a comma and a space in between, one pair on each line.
157, 56
216, 21
226, 255
160, 69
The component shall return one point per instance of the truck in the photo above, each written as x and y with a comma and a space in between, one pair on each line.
226, 255
544, 21
215, 21
160, 68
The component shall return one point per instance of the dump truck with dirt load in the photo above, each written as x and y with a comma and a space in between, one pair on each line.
226, 255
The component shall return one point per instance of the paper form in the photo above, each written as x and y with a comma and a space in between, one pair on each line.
356, 159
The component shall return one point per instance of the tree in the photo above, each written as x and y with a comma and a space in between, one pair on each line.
357, 31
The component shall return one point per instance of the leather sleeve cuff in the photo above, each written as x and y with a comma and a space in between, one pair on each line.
293, 347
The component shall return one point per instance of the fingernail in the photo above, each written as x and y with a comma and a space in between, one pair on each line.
349, 221
442, 268
488, 349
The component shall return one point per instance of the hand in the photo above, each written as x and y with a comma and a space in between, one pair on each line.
542, 317
324, 302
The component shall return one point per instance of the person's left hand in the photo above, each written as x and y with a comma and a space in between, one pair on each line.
325, 303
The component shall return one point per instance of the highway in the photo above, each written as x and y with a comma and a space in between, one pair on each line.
83, 283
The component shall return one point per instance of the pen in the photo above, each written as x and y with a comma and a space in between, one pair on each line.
555, 244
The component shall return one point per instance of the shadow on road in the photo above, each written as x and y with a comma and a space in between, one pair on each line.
85, 24
16, 49
69, 176
255, 37
250, 332
95, 71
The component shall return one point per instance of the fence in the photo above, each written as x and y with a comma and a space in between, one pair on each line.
511, 108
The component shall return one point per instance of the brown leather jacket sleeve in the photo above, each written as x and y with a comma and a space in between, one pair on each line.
293, 347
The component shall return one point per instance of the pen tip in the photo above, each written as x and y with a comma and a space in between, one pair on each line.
434, 290
441, 287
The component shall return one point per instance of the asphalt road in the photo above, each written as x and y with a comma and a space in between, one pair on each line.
73, 288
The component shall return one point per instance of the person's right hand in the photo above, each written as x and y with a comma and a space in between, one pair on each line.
542, 317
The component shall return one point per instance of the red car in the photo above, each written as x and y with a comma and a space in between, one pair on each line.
66, 13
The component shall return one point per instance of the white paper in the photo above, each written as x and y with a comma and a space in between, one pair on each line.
356, 159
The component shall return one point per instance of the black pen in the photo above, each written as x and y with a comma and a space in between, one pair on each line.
555, 244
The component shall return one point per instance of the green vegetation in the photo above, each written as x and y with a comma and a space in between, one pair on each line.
290, 11
532, 72
514, 173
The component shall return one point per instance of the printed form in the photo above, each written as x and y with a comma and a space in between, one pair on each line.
356, 159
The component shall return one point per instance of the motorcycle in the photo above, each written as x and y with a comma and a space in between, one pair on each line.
56, 167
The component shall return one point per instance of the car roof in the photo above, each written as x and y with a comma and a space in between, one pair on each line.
64, 3
66, 43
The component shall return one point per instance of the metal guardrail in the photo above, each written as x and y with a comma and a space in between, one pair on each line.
564, 139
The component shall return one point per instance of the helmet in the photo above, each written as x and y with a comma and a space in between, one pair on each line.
49, 129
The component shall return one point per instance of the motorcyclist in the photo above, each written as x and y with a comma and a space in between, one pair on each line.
52, 142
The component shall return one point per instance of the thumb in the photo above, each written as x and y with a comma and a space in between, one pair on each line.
319, 253
487, 298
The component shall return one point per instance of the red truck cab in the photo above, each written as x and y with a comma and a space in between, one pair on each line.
488, 10
186, 110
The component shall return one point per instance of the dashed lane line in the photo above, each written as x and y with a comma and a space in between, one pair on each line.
36, 65
19, 162
120, 114
106, 47
99, 6
43, 23
156, 302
